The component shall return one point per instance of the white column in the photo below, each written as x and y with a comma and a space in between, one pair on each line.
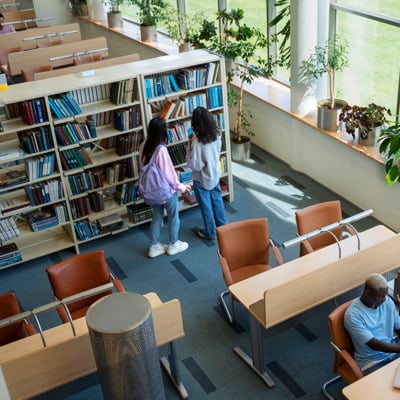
96, 10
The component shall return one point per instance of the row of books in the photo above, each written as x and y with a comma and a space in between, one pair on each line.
177, 153
75, 158
80, 207
123, 92
36, 140
179, 131
214, 97
124, 169
38, 167
10, 152
43, 218
14, 205
127, 118
184, 174
224, 168
44, 192
96, 201
128, 143
74, 132
139, 212
8, 229
64, 106
86, 229
103, 118
160, 85
85, 181
12, 177
127, 193
9, 254
92, 94
33, 111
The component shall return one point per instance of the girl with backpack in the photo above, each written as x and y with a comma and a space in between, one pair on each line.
203, 158
155, 145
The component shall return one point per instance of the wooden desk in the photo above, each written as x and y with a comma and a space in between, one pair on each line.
377, 385
37, 57
30, 369
294, 287
21, 15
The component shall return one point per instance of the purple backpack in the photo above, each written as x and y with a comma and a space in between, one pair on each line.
153, 185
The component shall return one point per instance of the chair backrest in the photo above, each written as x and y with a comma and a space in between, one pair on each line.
87, 58
48, 44
5, 52
9, 306
244, 242
341, 338
316, 216
28, 74
78, 274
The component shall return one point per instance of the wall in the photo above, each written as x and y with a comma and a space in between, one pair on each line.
57, 9
333, 164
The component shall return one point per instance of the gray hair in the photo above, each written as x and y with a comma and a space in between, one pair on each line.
376, 282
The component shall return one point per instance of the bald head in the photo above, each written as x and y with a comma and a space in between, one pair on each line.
376, 282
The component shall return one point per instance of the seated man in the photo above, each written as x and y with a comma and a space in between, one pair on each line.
373, 324
5, 28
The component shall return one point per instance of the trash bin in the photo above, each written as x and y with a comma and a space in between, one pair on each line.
124, 346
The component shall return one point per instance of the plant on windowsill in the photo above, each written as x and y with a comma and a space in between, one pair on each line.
328, 58
390, 146
241, 46
367, 120
114, 15
79, 7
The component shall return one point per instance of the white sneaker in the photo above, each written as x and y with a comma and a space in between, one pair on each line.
156, 250
177, 247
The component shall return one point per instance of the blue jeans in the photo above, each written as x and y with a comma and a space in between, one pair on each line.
211, 207
171, 206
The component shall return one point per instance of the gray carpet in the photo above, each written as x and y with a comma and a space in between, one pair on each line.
297, 352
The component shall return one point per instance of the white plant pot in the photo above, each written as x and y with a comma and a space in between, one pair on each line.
148, 33
241, 151
370, 138
114, 19
328, 118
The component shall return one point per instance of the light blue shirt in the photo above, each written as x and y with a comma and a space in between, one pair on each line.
364, 323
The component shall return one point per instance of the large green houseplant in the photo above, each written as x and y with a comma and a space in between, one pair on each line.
390, 147
368, 120
328, 58
244, 47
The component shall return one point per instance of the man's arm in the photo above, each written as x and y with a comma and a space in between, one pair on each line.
377, 345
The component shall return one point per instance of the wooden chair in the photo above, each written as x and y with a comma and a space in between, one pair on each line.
78, 274
28, 74
244, 248
9, 306
87, 58
316, 216
344, 364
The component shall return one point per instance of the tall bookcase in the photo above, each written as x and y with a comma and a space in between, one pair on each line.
69, 148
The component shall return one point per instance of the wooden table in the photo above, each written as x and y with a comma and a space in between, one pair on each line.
276, 295
377, 385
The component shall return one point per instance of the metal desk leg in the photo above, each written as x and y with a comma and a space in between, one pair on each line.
257, 363
172, 369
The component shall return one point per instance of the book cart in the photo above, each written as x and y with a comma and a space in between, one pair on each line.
69, 149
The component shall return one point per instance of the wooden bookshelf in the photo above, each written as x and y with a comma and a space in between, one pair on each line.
94, 147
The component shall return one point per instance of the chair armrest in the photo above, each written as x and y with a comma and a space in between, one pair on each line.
276, 252
351, 363
225, 270
29, 328
117, 283
308, 246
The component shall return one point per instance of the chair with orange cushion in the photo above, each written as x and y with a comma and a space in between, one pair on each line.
48, 44
87, 58
28, 74
315, 217
343, 364
4, 57
9, 306
79, 274
244, 249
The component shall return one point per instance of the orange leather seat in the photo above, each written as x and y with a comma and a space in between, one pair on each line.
28, 74
87, 58
48, 44
78, 274
9, 306
244, 249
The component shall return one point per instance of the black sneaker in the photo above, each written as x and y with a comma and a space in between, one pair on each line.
202, 235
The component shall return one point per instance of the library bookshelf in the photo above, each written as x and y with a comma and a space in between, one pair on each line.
69, 149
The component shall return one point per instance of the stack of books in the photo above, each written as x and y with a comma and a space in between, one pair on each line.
42, 219
139, 212
110, 223
185, 174
9, 254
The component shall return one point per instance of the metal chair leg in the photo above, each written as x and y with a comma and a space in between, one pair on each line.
329, 383
225, 307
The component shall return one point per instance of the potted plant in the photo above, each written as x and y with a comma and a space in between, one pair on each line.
367, 120
150, 12
390, 147
240, 44
328, 58
79, 7
114, 15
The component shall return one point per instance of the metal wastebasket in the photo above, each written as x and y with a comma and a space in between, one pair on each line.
124, 346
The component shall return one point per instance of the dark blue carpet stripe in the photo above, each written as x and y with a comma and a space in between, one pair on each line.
305, 332
116, 269
199, 375
286, 379
236, 327
293, 182
70, 389
240, 182
229, 208
277, 209
184, 271
257, 159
